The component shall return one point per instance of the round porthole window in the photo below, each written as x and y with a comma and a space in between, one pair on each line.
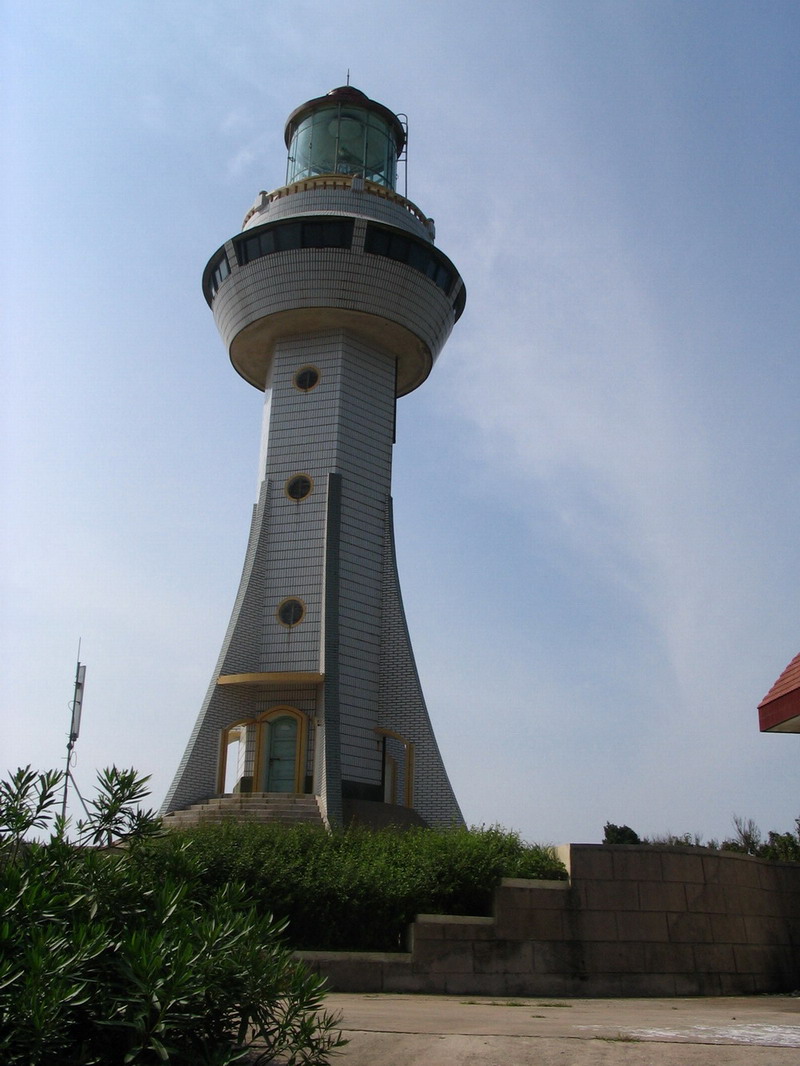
290, 612
298, 487
306, 378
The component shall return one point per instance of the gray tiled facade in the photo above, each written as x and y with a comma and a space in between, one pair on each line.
370, 327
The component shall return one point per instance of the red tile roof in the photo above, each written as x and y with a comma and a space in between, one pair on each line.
780, 708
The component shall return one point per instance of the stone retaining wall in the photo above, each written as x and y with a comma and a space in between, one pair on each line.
631, 921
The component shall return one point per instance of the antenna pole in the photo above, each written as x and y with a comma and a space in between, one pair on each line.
75, 724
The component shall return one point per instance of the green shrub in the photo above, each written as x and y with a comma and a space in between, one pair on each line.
357, 889
101, 964
778, 847
619, 834
677, 840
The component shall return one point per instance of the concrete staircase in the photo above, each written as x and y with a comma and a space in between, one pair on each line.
280, 807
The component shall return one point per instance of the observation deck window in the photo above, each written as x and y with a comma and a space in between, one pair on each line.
417, 254
219, 271
299, 233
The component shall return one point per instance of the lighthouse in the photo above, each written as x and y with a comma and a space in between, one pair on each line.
334, 301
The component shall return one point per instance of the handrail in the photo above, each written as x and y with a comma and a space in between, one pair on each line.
335, 181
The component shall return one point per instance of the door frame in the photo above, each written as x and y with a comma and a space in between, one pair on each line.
408, 764
222, 764
301, 741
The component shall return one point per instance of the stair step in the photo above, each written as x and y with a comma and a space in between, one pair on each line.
279, 807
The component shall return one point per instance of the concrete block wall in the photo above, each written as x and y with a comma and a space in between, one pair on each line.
631, 921
685, 921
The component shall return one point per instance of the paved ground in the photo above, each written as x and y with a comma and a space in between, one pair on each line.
402, 1030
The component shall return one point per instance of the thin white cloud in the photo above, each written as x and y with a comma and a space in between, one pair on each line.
245, 157
584, 405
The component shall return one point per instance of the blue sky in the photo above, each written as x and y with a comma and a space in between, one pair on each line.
597, 492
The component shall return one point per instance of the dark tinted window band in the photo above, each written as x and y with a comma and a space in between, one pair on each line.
298, 233
460, 302
405, 249
336, 233
218, 272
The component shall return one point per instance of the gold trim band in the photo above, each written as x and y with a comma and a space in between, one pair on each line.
274, 677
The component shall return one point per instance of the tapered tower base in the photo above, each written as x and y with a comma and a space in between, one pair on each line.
340, 684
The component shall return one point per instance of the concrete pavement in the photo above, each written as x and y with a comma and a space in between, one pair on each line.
408, 1030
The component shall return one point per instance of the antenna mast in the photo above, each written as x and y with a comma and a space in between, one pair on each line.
75, 725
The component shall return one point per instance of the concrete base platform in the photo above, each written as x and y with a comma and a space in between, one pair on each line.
475, 1031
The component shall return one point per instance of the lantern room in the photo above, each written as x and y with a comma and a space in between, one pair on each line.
344, 132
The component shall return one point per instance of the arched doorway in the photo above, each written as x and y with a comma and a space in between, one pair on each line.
265, 754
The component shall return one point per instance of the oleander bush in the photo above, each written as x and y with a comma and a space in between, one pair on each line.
356, 889
101, 965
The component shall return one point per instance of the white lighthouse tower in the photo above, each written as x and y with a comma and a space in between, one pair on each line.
333, 301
